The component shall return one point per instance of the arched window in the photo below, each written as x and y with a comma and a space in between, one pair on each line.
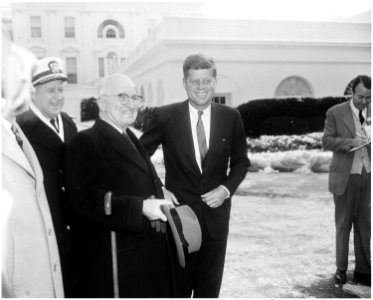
294, 86
110, 34
112, 62
107, 27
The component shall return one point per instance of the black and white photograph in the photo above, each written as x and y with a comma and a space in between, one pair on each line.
186, 149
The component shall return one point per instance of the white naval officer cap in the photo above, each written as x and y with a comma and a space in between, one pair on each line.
48, 69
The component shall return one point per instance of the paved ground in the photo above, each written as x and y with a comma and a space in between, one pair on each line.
281, 241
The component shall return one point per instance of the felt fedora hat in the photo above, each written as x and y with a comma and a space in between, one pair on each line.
48, 69
185, 228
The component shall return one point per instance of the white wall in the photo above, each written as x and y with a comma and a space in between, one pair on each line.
253, 57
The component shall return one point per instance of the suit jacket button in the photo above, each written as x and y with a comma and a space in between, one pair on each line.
63, 188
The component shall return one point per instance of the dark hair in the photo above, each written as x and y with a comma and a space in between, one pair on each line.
364, 79
197, 62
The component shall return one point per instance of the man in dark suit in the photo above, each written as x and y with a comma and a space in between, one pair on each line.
347, 134
205, 156
114, 188
49, 130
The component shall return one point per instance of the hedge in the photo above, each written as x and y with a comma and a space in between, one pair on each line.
286, 116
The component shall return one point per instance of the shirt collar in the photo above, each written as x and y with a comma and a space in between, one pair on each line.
6, 124
40, 115
194, 111
355, 110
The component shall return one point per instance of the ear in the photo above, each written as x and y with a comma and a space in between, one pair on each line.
184, 83
101, 102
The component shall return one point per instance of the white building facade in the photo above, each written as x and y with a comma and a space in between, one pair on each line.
150, 40
255, 59
92, 38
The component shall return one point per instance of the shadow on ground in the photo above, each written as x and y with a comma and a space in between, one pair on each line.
324, 288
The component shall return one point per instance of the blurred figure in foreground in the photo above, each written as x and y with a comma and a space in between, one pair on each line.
30, 258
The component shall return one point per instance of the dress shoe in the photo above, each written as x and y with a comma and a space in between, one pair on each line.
362, 278
340, 277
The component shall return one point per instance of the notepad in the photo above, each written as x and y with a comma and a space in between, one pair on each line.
358, 147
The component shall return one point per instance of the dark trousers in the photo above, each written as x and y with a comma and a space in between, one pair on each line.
353, 208
203, 271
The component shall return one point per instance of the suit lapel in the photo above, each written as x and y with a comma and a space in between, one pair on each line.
32, 158
40, 133
348, 118
120, 144
216, 128
11, 149
150, 165
184, 133
69, 129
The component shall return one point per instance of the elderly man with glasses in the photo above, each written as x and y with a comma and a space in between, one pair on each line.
123, 238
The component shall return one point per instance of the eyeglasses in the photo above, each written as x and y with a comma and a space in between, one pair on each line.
126, 99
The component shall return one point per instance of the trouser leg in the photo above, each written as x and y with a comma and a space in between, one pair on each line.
343, 223
362, 229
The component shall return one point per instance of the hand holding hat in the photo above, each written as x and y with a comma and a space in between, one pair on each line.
152, 210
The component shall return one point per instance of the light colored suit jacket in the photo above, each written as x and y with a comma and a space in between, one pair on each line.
339, 131
31, 262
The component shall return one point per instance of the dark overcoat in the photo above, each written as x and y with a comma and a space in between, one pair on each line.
50, 150
99, 160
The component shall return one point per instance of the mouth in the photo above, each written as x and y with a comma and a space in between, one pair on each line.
201, 95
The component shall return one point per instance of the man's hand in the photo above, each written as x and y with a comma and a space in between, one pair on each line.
152, 209
360, 140
170, 196
215, 197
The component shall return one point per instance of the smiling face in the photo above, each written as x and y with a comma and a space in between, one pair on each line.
118, 105
361, 97
49, 98
200, 87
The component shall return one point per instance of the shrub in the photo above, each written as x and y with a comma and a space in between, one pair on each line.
88, 109
144, 118
285, 143
286, 115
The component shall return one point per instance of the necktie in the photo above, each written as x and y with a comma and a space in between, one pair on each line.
201, 137
361, 117
18, 137
55, 124
128, 139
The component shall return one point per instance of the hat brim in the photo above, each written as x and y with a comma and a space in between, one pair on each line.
186, 230
63, 78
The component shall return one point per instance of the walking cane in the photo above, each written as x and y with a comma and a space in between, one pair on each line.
113, 239
115, 263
